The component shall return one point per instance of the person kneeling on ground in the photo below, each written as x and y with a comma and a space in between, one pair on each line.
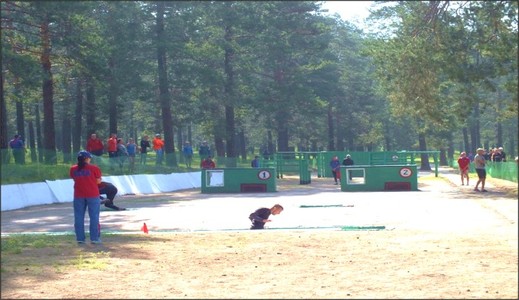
261, 216
110, 191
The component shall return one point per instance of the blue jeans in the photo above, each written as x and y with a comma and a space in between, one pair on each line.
143, 158
80, 207
160, 154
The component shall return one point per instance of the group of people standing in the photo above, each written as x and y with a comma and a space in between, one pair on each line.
120, 152
336, 167
480, 159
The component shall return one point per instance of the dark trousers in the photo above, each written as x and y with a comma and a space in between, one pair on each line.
257, 225
110, 191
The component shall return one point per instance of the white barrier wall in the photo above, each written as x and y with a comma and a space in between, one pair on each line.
16, 196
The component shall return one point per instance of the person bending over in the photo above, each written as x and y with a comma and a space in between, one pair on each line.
110, 191
261, 216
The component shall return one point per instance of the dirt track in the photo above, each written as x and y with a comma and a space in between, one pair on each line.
443, 241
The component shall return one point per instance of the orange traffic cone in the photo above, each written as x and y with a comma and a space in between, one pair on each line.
144, 228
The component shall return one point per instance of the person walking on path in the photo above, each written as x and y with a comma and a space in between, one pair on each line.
463, 164
86, 178
261, 216
336, 168
479, 162
158, 147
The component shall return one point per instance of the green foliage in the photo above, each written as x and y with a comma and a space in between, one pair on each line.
274, 71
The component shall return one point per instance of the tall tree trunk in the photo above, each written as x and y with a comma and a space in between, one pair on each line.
39, 141
230, 136
66, 132
78, 112
20, 116
243, 145
4, 140
475, 132
90, 104
466, 146
112, 99
499, 125
283, 138
443, 157
164, 95
230, 131
270, 143
424, 166
219, 145
49, 143
331, 129
32, 142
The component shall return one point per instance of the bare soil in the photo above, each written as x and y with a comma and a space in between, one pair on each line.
463, 246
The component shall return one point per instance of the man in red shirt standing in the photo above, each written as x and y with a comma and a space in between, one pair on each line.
95, 145
463, 163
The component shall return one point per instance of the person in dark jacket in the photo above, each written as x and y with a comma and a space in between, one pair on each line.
348, 162
110, 191
261, 216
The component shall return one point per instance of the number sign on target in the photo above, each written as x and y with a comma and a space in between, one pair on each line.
264, 175
406, 172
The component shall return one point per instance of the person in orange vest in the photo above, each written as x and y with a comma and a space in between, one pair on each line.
111, 148
158, 147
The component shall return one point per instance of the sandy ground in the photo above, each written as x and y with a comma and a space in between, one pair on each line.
443, 241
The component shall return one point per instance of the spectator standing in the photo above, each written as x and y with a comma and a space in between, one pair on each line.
498, 156
158, 147
18, 147
255, 162
111, 147
503, 154
86, 178
488, 155
204, 150
336, 167
187, 151
463, 164
145, 144
131, 147
479, 162
95, 145
122, 153
208, 163
347, 161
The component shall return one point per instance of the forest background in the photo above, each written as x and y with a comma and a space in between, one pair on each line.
248, 76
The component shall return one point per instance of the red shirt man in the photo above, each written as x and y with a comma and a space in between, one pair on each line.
95, 145
112, 145
207, 163
463, 163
